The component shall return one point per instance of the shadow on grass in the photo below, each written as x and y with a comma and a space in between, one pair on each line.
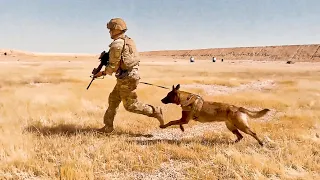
136, 138
71, 130
203, 141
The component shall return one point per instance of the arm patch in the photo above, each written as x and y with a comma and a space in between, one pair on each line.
116, 48
117, 52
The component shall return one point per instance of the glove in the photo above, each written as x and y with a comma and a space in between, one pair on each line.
94, 71
100, 73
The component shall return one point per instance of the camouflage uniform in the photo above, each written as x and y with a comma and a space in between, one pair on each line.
125, 88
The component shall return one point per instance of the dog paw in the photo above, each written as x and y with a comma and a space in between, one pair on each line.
162, 126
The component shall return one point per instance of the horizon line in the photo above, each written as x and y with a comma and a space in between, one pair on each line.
93, 54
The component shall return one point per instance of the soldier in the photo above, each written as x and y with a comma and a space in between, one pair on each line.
191, 59
124, 62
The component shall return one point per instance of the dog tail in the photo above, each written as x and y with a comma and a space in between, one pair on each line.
254, 114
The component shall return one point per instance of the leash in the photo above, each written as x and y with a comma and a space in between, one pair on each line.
139, 82
153, 85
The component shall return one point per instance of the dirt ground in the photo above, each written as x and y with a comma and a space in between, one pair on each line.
48, 118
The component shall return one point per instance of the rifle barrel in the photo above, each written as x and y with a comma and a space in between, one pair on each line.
90, 83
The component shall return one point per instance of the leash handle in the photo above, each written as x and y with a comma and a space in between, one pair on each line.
97, 78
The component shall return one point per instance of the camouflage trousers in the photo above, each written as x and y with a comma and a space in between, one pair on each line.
125, 92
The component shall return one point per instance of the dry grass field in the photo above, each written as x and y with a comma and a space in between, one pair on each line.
48, 118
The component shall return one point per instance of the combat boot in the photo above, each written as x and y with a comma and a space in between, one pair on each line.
157, 113
105, 129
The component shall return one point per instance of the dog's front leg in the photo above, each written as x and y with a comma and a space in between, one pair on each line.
183, 120
182, 128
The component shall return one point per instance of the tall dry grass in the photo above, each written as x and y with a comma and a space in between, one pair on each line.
47, 118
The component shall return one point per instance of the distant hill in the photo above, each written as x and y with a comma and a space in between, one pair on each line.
310, 53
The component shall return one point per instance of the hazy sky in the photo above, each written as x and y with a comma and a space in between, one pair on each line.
79, 26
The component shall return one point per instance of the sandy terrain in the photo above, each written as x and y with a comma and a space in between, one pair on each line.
48, 118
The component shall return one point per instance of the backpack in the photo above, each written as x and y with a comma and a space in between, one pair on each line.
129, 55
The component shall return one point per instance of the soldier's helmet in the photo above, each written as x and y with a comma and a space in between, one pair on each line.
117, 23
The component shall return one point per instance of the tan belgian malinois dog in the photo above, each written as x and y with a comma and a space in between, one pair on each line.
194, 107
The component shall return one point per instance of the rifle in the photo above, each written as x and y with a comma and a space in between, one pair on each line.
104, 61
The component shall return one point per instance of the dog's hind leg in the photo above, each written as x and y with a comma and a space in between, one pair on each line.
247, 130
241, 123
250, 132
234, 130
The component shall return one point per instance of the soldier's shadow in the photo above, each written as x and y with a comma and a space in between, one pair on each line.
72, 130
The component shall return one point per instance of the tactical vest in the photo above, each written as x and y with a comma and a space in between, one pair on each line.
129, 55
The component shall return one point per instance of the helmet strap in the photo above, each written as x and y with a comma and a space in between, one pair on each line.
115, 36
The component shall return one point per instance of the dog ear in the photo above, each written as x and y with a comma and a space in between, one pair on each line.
178, 87
173, 87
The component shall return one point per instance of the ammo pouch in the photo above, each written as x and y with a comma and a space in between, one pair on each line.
121, 73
